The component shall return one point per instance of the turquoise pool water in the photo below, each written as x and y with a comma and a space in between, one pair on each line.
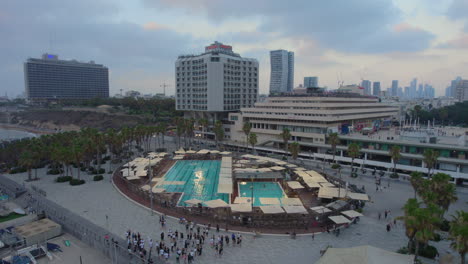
260, 189
200, 177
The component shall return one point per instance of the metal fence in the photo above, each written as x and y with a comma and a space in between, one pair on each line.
95, 236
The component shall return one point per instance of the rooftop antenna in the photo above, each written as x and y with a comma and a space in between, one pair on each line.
164, 85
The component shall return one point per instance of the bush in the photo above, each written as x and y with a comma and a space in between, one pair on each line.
18, 170
98, 178
63, 179
101, 171
394, 176
403, 250
54, 171
427, 251
335, 166
445, 226
436, 238
74, 182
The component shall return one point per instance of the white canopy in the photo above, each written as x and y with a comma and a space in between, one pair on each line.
320, 209
351, 213
277, 168
272, 209
339, 219
299, 169
214, 151
132, 178
358, 196
267, 200
203, 151
141, 173
312, 184
180, 151
157, 190
216, 203
240, 200
327, 184
225, 188
241, 207
178, 157
193, 201
295, 185
329, 193
291, 201
295, 209
225, 153
291, 165
363, 255
191, 151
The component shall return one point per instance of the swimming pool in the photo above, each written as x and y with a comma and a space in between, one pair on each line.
261, 189
201, 180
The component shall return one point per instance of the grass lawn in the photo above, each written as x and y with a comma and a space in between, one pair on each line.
10, 217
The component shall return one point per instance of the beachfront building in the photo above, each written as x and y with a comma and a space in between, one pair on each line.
50, 78
310, 117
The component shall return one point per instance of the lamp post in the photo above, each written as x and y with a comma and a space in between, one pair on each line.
151, 180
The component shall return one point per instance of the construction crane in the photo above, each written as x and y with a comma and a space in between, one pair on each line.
164, 85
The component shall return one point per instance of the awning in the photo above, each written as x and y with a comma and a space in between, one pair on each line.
295, 209
320, 210
193, 201
358, 196
272, 209
241, 207
266, 200
240, 200
216, 203
339, 219
351, 213
291, 201
295, 185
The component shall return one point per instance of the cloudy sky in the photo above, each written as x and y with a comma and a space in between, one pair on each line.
139, 40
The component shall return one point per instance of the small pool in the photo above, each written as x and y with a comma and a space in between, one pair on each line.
260, 189
200, 177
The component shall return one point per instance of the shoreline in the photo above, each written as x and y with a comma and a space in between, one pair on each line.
33, 130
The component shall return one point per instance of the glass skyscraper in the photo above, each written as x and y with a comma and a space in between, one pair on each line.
282, 71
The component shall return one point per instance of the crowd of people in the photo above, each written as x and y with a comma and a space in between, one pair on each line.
182, 245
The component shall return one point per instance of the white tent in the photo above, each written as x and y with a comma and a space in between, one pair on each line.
295, 209
320, 209
358, 196
291, 201
272, 209
241, 207
216, 203
351, 213
180, 151
339, 219
295, 185
193, 201
146, 187
240, 200
363, 255
267, 200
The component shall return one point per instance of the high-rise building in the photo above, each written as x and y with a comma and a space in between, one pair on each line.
366, 84
420, 92
376, 89
215, 82
462, 90
282, 71
49, 78
310, 82
394, 89
453, 87
407, 93
413, 86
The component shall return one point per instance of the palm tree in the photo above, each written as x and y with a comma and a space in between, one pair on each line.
430, 158
204, 124
179, 122
189, 124
416, 181
353, 152
27, 160
333, 140
219, 131
247, 127
252, 141
285, 136
441, 191
77, 151
294, 149
395, 155
459, 234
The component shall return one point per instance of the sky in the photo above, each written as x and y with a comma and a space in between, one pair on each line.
336, 40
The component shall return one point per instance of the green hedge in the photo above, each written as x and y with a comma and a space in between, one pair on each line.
74, 182
98, 178
428, 251
63, 179
335, 166
18, 170
445, 226
54, 171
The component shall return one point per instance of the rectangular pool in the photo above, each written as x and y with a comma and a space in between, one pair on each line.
260, 189
201, 180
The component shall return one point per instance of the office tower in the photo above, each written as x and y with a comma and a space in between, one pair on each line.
366, 84
49, 78
453, 86
413, 86
420, 93
462, 90
400, 92
376, 89
394, 89
310, 82
407, 93
215, 82
282, 71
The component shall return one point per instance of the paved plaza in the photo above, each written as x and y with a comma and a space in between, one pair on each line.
102, 204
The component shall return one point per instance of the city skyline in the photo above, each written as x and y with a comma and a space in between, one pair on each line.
138, 41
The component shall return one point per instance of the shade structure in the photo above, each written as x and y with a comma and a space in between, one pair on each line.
270, 201
291, 201
141, 173
351, 213
132, 178
329, 193
295, 185
302, 174
191, 151
178, 157
180, 151
157, 190
295, 209
363, 255
240, 200
358, 196
320, 210
146, 187
300, 169
225, 188
203, 151
312, 184
281, 162
272, 209
326, 184
225, 153
214, 151
127, 173
162, 154
336, 205
339, 219
314, 173
156, 179
277, 168
216, 203
291, 165
193, 201
241, 207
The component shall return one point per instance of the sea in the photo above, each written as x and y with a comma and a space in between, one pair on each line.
9, 134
